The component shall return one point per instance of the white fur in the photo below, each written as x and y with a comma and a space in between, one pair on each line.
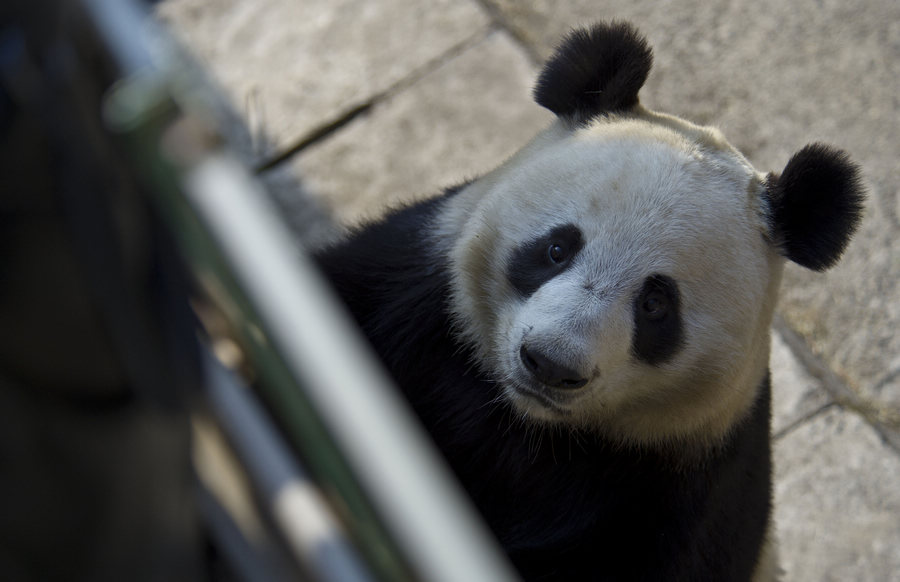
652, 194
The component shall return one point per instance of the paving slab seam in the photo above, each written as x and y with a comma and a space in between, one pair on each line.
887, 379
317, 134
500, 20
883, 421
329, 127
809, 416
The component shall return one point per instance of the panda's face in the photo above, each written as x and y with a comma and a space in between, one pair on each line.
618, 276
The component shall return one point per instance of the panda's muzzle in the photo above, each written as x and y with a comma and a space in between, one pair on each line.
549, 372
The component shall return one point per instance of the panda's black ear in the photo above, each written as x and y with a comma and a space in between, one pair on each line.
595, 71
815, 206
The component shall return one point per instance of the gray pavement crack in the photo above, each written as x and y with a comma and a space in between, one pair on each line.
886, 422
329, 127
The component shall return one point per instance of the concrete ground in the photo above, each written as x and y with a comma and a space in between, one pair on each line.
368, 103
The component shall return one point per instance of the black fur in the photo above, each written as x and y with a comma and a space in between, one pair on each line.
815, 205
564, 505
532, 265
595, 71
657, 320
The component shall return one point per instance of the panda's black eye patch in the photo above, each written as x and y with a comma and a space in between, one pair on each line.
657, 320
541, 259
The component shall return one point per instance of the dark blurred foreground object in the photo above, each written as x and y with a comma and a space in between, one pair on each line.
95, 334
180, 399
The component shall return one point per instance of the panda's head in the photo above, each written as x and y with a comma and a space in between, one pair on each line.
620, 272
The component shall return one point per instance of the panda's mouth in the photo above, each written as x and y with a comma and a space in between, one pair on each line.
531, 396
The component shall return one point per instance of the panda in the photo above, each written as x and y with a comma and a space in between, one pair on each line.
584, 331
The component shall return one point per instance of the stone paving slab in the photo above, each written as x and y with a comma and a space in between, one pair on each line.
837, 504
837, 501
460, 120
289, 66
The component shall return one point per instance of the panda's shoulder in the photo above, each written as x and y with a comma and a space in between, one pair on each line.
396, 244
395, 283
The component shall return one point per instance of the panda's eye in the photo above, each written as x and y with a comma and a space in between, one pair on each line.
557, 253
655, 305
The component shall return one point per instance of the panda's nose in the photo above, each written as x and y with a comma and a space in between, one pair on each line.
550, 372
